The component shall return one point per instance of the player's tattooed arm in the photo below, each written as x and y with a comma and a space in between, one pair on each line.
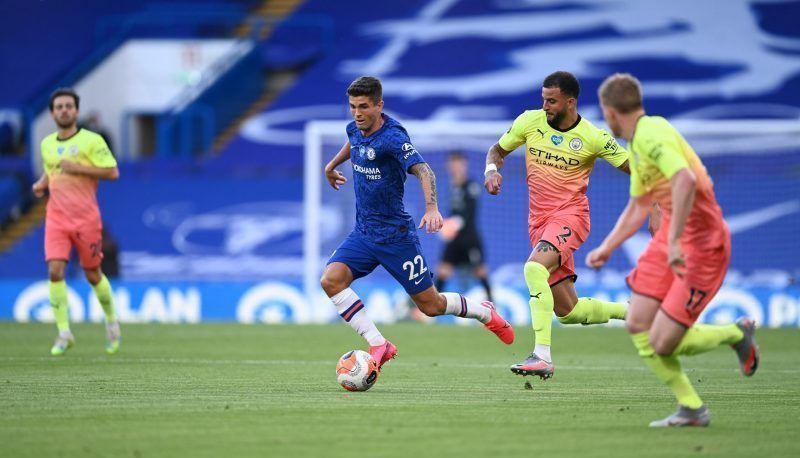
428, 181
494, 162
432, 220
497, 156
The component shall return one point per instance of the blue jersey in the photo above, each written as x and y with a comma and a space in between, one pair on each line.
380, 165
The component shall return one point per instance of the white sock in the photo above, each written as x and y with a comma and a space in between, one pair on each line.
459, 305
351, 309
543, 351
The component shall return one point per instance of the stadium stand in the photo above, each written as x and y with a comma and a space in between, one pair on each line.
10, 197
234, 214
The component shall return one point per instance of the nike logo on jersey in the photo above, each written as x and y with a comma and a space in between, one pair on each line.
418, 281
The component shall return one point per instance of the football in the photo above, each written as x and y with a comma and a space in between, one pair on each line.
356, 371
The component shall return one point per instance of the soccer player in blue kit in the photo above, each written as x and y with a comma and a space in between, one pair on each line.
381, 153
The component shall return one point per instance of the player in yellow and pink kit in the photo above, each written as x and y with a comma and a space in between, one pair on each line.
74, 160
561, 149
684, 265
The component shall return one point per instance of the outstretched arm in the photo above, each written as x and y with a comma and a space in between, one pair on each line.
432, 220
628, 223
625, 168
335, 177
494, 162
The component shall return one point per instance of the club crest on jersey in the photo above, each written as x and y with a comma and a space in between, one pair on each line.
73, 150
575, 144
556, 139
370, 154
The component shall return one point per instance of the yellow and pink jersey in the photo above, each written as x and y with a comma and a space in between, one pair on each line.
559, 163
658, 151
73, 200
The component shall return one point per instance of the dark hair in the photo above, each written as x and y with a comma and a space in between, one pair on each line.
621, 91
565, 81
65, 91
368, 86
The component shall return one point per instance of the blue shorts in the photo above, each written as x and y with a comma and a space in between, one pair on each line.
403, 260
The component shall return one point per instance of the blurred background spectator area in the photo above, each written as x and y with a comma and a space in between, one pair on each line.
207, 105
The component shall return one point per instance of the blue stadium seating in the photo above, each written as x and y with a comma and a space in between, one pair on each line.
10, 196
455, 57
62, 35
447, 56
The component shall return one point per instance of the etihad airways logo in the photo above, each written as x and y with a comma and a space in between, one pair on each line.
552, 159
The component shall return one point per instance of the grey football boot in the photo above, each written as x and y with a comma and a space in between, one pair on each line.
685, 416
533, 365
747, 349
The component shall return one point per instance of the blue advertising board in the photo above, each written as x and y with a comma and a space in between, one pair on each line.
284, 302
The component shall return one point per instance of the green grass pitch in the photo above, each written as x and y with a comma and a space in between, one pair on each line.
235, 390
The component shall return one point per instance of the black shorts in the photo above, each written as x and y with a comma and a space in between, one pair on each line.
463, 253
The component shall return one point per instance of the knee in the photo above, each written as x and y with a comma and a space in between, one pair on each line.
55, 274
562, 308
661, 347
331, 284
635, 326
536, 268
531, 268
94, 276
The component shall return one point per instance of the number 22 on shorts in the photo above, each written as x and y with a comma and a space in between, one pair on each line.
412, 266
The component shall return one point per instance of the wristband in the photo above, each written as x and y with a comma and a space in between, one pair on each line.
491, 167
